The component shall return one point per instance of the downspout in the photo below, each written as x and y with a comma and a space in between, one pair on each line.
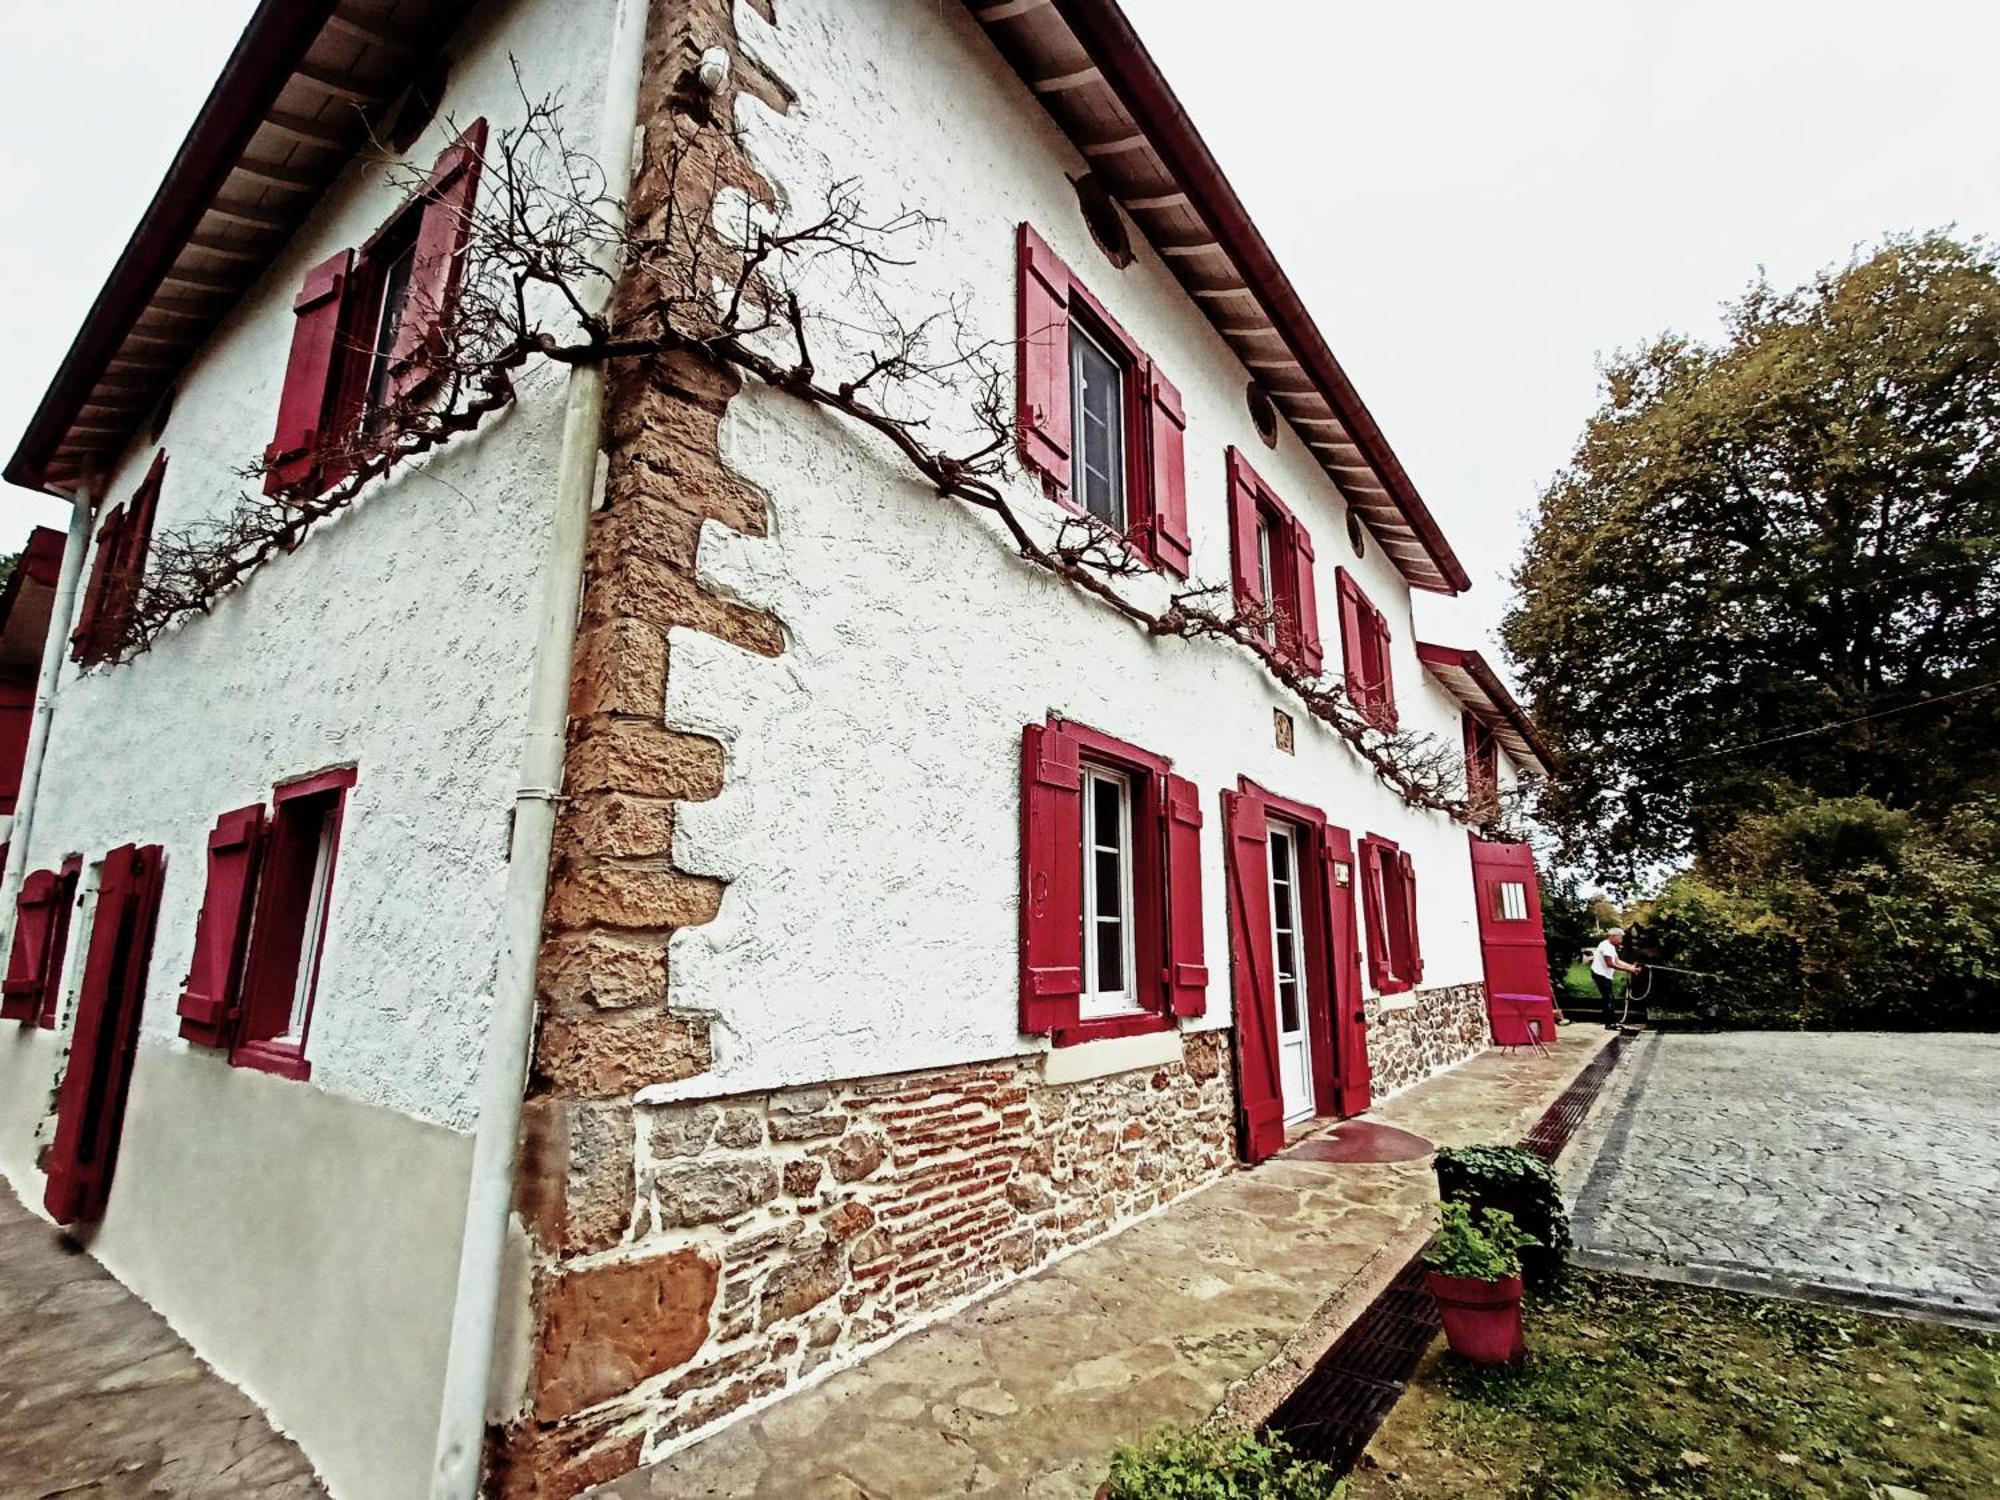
511, 1025
75, 544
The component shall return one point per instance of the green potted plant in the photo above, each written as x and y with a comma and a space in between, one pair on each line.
1518, 1183
1475, 1277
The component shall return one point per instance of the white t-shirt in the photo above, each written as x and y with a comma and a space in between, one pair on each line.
1603, 962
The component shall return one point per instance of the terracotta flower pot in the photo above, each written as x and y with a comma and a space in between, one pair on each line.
1482, 1319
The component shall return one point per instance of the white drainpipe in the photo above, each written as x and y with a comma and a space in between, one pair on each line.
511, 1024
57, 641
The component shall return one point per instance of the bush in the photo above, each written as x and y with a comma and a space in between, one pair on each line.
1202, 1465
1840, 912
1517, 1182
1487, 1251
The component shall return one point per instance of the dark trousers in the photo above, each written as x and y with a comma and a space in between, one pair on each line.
1608, 995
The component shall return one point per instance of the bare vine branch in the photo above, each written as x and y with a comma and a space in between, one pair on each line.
712, 272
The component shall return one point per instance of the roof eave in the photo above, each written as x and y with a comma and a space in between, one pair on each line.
1101, 28
276, 38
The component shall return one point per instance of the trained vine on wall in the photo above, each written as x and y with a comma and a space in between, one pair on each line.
795, 300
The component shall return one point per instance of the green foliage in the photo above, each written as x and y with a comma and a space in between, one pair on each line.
1841, 911
1481, 1176
1569, 925
1643, 1388
1204, 1465
1796, 529
1487, 1251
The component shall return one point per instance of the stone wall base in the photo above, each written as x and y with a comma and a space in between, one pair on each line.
771, 1233
1408, 1042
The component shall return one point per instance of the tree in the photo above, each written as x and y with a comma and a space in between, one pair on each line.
1769, 570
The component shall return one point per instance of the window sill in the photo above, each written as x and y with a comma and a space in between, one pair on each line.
1132, 1023
1110, 1055
1394, 1000
272, 1057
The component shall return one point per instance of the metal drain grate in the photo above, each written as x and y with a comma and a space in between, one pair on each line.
1560, 1120
1337, 1408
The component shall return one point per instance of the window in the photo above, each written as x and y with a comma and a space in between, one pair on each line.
1108, 969
1273, 558
1097, 419
288, 925
1097, 398
1482, 762
1389, 906
123, 540
1510, 901
393, 258
368, 325
1288, 965
1364, 649
1111, 927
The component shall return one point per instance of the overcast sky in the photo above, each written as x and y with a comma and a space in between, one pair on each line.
1476, 199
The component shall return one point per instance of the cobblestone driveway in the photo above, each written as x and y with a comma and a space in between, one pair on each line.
1863, 1165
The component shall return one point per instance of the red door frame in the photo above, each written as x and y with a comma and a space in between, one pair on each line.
1334, 1018
1514, 953
90, 1104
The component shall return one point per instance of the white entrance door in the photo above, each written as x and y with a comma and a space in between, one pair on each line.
1288, 964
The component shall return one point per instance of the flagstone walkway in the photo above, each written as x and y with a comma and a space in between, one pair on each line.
100, 1398
1223, 1299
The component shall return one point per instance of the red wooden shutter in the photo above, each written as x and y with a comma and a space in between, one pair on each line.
1260, 1103
1369, 872
1042, 338
208, 1002
1187, 967
1384, 688
1353, 1074
1051, 878
1411, 962
1311, 656
86, 642
58, 948
90, 1104
1243, 537
1354, 666
310, 375
27, 979
1166, 425
135, 540
437, 262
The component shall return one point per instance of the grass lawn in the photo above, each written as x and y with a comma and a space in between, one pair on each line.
1639, 1388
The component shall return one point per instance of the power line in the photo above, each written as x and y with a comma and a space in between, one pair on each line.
1799, 734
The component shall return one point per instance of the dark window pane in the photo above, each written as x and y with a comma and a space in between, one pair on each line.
1110, 956
1104, 800
1107, 884
395, 303
1288, 1007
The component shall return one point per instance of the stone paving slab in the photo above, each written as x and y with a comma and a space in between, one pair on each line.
1225, 1296
1854, 1166
100, 1398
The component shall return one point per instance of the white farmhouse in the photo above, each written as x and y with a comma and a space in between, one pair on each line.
648, 898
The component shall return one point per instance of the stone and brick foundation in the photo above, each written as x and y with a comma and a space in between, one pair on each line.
1407, 1043
760, 1236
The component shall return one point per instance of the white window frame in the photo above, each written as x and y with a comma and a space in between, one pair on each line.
1265, 575
1097, 1002
307, 978
1119, 468
1290, 833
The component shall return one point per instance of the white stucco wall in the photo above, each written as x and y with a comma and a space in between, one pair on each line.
304, 1235
869, 824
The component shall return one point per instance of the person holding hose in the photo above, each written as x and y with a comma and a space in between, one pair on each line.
1604, 964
